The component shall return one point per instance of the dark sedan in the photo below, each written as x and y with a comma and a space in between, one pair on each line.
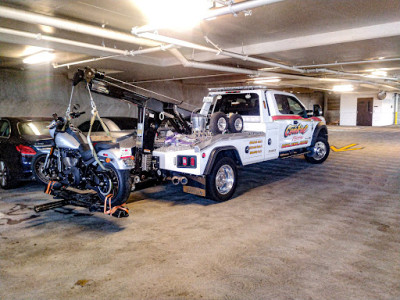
24, 141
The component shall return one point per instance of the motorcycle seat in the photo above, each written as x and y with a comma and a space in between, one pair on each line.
105, 146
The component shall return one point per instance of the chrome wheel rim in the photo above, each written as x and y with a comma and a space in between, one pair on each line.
238, 124
319, 150
112, 185
221, 124
3, 173
224, 179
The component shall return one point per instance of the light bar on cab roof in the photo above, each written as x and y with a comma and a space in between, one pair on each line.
238, 88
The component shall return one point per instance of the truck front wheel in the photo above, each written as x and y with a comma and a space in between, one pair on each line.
222, 181
320, 151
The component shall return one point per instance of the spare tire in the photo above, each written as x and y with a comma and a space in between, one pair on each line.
218, 123
235, 123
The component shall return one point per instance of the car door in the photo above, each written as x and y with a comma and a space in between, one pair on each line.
295, 129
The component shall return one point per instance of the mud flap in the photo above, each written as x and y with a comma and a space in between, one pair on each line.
196, 185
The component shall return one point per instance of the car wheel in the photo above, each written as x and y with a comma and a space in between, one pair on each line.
38, 169
319, 152
222, 181
5, 177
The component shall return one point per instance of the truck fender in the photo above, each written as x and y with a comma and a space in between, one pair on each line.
230, 152
320, 129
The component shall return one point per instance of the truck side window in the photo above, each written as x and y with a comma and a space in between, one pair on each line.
243, 104
288, 105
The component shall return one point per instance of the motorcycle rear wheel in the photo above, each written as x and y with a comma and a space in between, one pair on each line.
115, 182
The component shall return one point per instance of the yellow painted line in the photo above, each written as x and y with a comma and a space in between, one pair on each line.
345, 148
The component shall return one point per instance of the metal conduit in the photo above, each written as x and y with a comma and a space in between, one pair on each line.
199, 65
169, 40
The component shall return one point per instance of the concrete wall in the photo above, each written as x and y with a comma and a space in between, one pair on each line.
40, 94
310, 99
383, 110
24, 93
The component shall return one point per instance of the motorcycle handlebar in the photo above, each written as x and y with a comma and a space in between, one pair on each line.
75, 115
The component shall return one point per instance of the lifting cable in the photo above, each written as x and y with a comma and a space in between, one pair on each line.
95, 114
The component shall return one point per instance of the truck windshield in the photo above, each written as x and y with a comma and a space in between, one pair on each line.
243, 104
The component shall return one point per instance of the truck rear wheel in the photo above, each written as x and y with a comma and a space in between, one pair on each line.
222, 181
320, 151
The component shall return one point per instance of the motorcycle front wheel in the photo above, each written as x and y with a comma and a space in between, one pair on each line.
114, 182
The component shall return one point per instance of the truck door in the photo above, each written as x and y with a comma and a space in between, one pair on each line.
295, 129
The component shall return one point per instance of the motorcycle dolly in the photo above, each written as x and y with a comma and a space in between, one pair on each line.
75, 197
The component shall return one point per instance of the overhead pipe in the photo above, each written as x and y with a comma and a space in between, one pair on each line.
349, 63
102, 50
169, 40
39, 37
129, 53
34, 18
227, 10
323, 70
199, 65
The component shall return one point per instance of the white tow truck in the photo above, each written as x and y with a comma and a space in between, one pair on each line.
239, 126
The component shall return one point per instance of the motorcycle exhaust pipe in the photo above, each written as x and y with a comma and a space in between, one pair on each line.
175, 180
183, 180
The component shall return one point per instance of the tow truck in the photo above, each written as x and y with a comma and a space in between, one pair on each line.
240, 126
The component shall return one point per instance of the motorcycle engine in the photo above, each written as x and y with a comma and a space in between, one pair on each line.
70, 159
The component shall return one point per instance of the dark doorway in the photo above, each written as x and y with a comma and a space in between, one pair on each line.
364, 111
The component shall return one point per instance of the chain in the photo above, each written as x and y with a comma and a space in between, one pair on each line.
69, 106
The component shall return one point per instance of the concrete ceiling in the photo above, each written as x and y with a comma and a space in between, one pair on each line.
292, 32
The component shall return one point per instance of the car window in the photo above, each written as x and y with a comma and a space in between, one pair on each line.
4, 128
125, 123
84, 127
244, 104
34, 128
288, 105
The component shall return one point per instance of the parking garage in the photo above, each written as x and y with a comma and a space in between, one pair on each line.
291, 230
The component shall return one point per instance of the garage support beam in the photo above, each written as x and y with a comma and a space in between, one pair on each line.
21, 37
314, 40
33, 18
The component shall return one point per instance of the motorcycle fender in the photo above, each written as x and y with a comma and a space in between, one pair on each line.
114, 155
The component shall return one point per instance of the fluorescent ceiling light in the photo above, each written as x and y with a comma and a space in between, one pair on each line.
173, 14
29, 50
343, 88
266, 80
379, 73
41, 57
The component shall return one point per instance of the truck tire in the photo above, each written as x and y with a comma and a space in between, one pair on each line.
218, 123
320, 151
5, 177
235, 123
222, 181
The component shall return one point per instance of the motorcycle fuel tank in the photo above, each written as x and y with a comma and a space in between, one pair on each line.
65, 140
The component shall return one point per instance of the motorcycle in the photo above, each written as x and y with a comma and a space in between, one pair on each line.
103, 167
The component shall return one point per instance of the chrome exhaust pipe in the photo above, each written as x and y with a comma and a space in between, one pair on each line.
175, 180
183, 180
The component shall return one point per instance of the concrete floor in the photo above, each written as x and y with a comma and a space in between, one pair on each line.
292, 231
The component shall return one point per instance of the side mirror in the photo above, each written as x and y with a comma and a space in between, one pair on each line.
317, 110
76, 107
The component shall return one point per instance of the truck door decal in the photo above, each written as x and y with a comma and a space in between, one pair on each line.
295, 129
